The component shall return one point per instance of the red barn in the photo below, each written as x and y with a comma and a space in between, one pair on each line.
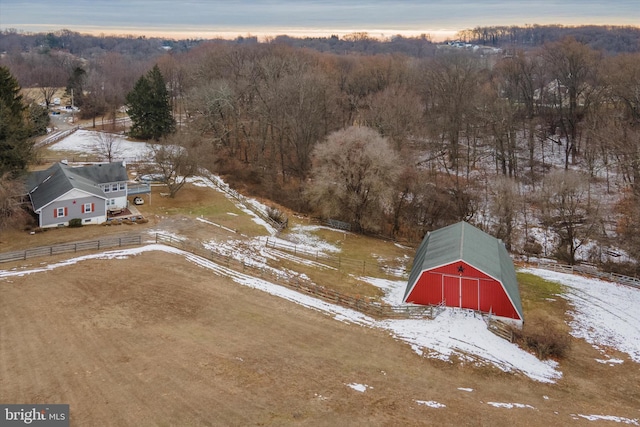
462, 266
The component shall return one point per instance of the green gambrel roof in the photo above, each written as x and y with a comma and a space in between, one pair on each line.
463, 241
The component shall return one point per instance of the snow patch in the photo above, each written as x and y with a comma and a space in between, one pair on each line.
431, 403
393, 289
604, 313
509, 405
359, 387
610, 362
608, 418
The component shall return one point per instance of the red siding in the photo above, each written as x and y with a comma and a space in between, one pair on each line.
428, 290
468, 289
452, 269
494, 299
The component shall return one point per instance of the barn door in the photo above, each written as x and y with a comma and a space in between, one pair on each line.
451, 291
470, 293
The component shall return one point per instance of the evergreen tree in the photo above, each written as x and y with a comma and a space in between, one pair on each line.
75, 85
15, 130
149, 108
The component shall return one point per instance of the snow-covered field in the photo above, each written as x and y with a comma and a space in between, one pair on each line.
86, 141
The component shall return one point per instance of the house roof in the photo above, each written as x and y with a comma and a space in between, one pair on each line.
462, 241
46, 186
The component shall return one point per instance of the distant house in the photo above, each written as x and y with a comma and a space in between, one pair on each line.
62, 192
462, 266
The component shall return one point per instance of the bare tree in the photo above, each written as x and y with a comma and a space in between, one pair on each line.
452, 83
108, 145
504, 209
567, 210
571, 67
11, 212
396, 112
177, 157
354, 174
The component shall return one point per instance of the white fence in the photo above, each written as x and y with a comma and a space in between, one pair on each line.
590, 271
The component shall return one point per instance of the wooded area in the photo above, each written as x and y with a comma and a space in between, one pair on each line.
513, 140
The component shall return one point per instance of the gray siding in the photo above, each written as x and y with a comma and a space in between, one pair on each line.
74, 210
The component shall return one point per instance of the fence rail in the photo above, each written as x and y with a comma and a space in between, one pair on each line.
500, 329
109, 242
364, 305
332, 261
56, 136
279, 226
590, 271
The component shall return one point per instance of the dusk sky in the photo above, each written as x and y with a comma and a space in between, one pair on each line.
201, 18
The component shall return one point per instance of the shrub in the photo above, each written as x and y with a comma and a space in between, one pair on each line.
127, 221
75, 222
532, 247
142, 221
544, 338
277, 215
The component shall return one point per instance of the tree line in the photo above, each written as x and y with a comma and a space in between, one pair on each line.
399, 145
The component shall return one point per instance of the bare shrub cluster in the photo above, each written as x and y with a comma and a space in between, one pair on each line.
544, 338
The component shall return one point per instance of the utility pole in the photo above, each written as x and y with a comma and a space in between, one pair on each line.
72, 112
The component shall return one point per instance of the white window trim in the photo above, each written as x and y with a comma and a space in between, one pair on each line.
87, 208
60, 213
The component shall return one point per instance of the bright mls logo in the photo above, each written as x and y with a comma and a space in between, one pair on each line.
35, 415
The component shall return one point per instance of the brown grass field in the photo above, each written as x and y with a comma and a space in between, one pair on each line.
156, 340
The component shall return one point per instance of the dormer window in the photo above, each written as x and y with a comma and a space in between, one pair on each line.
106, 188
114, 187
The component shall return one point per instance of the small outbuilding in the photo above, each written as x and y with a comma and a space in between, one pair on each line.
462, 266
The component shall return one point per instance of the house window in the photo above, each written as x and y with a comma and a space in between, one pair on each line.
122, 186
59, 212
87, 207
106, 188
113, 202
114, 187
